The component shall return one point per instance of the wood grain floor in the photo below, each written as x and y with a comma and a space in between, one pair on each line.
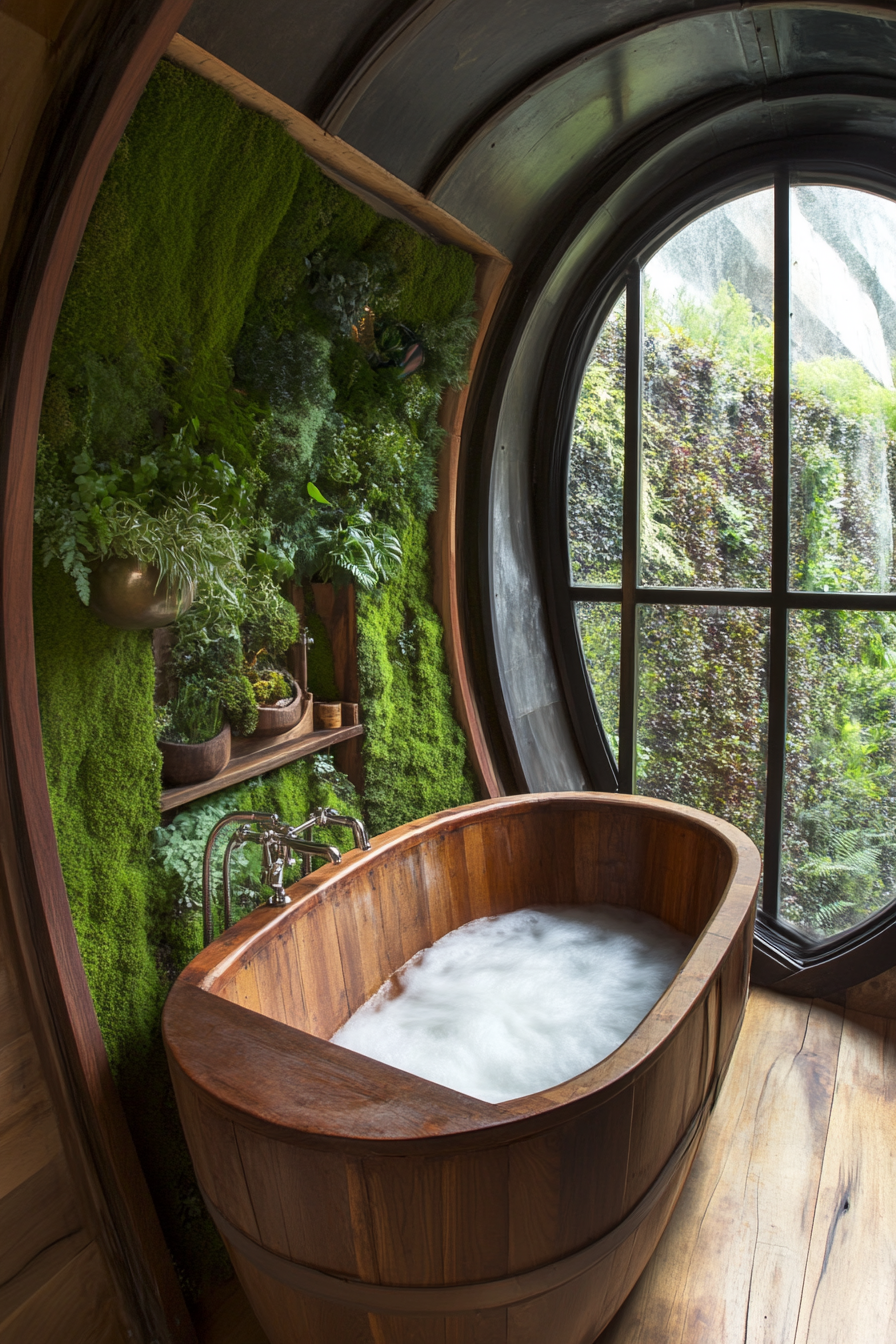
786, 1231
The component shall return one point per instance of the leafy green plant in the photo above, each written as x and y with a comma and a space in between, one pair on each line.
343, 286
193, 715
356, 550
216, 636
269, 685
448, 345
270, 622
240, 704
184, 540
179, 846
348, 547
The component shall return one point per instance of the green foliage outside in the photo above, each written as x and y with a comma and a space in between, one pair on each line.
198, 349
706, 519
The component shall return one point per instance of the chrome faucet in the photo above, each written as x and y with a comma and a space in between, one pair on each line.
277, 841
327, 816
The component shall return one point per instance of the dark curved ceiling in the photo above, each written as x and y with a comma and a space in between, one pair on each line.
502, 111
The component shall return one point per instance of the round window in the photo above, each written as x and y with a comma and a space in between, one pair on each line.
730, 509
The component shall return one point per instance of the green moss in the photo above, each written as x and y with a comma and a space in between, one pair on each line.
321, 216
321, 671
194, 196
103, 772
434, 281
414, 752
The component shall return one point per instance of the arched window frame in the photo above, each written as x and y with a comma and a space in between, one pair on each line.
782, 956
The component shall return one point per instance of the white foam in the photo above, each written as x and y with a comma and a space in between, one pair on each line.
509, 1005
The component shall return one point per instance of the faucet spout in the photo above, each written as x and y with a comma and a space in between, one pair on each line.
328, 816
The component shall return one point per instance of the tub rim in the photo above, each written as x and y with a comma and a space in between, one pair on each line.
375, 1105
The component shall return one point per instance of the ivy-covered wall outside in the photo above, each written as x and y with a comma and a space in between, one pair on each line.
206, 344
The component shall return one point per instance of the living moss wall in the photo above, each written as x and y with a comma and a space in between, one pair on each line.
192, 299
405, 692
96, 689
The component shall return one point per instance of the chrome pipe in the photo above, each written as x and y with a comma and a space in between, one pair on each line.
277, 841
208, 932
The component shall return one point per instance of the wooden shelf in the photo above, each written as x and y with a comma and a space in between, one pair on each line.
255, 755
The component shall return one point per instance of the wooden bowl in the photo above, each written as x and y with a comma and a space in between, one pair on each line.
274, 719
191, 762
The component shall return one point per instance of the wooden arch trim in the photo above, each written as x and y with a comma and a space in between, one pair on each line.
81, 128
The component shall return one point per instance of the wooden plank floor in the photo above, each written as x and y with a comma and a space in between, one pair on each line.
786, 1230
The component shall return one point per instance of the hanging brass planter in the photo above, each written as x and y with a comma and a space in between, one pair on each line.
128, 594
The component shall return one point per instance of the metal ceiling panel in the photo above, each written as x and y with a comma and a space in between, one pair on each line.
467, 58
296, 51
524, 165
824, 41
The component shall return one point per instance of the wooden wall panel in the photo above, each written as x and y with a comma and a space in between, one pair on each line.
70, 75
52, 1272
77, 1300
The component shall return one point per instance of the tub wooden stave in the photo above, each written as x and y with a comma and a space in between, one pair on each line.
362, 1204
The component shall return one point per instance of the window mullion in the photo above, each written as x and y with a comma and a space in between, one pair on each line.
777, 700
631, 495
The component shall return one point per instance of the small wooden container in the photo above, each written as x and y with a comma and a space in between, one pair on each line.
191, 762
281, 718
328, 713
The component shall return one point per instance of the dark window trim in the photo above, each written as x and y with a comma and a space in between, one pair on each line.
783, 957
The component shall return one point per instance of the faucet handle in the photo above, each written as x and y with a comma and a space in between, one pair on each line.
273, 876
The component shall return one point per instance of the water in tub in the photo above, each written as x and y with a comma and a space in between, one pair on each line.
516, 1003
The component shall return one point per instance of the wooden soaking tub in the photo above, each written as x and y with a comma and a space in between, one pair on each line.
363, 1205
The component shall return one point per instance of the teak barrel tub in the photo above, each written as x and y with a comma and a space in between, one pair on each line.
363, 1205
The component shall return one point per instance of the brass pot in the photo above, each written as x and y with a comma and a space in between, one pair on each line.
127, 593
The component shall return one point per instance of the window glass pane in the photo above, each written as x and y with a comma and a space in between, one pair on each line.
843, 404
600, 630
596, 459
702, 700
839, 861
707, 401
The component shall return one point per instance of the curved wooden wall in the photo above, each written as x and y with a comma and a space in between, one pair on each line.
71, 1189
